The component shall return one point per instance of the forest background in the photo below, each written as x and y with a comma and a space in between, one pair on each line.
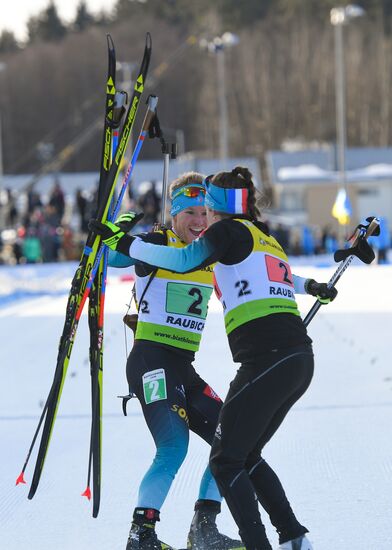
280, 77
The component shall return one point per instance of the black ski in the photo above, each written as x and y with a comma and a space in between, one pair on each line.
97, 297
81, 285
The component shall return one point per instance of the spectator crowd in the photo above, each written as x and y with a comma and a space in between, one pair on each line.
38, 228
49, 228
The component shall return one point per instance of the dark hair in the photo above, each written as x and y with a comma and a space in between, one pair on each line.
239, 178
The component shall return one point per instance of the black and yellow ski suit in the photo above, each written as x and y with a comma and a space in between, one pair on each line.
266, 335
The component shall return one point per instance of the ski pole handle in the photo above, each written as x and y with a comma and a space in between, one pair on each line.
331, 283
362, 232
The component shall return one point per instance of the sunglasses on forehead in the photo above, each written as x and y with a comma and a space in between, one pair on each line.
191, 191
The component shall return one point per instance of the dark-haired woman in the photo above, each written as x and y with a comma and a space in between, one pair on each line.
266, 335
174, 398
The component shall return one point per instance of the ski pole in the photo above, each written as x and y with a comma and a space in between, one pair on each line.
165, 180
152, 103
361, 232
169, 152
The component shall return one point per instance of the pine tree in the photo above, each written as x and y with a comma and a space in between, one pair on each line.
8, 42
83, 17
46, 26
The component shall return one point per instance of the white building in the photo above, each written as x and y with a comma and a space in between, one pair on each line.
305, 183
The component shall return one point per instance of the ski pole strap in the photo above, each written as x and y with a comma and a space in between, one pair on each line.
150, 280
359, 248
154, 130
120, 100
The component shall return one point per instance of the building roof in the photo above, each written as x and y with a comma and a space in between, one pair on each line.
365, 164
144, 171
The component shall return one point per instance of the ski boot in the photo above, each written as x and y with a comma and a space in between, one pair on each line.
142, 535
300, 543
204, 534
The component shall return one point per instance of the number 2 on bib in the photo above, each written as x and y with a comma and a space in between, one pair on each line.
278, 271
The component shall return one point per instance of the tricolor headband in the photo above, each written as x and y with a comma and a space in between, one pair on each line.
186, 196
230, 201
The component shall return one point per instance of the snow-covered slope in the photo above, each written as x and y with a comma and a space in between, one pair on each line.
333, 453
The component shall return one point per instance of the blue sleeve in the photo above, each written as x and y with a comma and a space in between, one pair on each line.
196, 255
116, 259
299, 284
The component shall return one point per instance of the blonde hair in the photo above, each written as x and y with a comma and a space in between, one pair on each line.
185, 179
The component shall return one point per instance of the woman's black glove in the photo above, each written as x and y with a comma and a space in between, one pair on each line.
323, 293
114, 236
128, 220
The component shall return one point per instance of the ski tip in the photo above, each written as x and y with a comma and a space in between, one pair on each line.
20, 479
87, 493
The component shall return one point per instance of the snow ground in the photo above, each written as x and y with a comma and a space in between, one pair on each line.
333, 453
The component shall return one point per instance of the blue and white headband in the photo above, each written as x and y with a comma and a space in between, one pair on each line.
230, 201
191, 194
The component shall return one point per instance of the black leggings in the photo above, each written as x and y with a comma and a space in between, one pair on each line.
184, 402
259, 398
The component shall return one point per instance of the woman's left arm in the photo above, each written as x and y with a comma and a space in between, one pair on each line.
196, 255
116, 259
299, 284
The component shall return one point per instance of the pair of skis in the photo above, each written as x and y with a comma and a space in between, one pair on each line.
113, 114
90, 276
